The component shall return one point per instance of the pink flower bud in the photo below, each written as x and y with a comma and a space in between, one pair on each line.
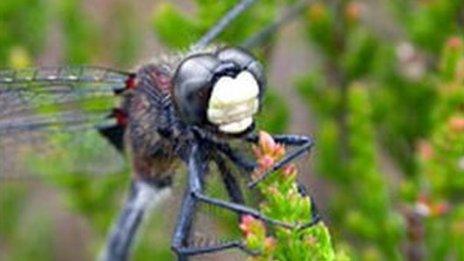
246, 224
266, 142
353, 11
289, 170
265, 162
426, 150
440, 209
269, 244
454, 43
456, 124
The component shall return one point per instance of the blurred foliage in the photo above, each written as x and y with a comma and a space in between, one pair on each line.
189, 29
388, 105
378, 100
22, 23
441, 159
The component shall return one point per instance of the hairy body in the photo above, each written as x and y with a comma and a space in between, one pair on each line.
152, 136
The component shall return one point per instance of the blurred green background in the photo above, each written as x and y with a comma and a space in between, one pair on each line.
378, 83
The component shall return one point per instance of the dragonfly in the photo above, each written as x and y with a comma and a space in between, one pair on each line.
184, 111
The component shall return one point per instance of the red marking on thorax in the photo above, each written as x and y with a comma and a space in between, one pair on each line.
121, 117
131, 82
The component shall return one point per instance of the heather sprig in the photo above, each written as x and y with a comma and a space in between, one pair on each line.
282, 201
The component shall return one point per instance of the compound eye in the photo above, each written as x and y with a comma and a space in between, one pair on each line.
193, 83
245, 61
221, 90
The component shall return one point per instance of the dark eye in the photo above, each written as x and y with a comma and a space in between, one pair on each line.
192, 86
222, 91
246, 61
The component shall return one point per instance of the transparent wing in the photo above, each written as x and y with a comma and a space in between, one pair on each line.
47, 117
69, 97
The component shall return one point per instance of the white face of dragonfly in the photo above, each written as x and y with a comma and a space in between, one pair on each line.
233, 102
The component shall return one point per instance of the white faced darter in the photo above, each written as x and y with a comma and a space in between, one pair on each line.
188, 111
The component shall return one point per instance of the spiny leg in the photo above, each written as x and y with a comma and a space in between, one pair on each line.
230, 183
197, 192
180, 243
237, 158
315, 217
245, 163
241, 209
194, 194
197, 168
142, 196
303, 144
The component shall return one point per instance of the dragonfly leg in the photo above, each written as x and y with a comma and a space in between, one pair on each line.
180, 244
196, 190
231, 184
142, 196
315, 217
246, 164
238, 159
287, 139
239, 208
303, 145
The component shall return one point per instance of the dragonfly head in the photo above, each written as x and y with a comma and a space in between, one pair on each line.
221, 90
